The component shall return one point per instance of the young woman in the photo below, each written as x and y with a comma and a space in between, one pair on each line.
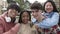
49, 19
24, 21
51, 15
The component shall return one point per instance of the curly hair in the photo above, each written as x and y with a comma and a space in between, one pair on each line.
36, 5
13, 6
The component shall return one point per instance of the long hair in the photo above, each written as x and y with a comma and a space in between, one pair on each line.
53, 4
20, 17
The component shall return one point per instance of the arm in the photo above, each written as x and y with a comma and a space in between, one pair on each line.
4, 14
49, 22
1, 27
14, 30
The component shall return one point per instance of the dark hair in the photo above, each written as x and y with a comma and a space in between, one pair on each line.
53, 4
13, 6
20, 17
36, 5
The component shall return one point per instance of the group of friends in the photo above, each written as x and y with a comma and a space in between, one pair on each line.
40, 20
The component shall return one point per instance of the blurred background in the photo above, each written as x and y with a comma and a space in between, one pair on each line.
24, 4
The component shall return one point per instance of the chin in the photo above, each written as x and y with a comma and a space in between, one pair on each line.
12, 17
25, 22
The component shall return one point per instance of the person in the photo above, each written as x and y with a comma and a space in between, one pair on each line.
36, 8
25, 20
7, 19
47, 20
58, 32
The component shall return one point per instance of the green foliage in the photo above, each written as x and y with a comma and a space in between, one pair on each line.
10, 1
21, 3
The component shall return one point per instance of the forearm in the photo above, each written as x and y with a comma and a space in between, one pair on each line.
14, 30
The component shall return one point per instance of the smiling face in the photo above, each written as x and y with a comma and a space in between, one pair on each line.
48, 7
25, 17
12, 13
35, 13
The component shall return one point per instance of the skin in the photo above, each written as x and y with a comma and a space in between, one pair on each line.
48, 7
37, 14
12, 13
25, 17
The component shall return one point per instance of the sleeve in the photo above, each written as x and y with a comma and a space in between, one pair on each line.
49, 22
14, 30
1, 27
33, 20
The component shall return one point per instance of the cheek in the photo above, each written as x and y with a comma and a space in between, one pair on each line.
28, 18
13, 14
25, 18
34, 14
10, 13
51, 8
46, 8
22, 19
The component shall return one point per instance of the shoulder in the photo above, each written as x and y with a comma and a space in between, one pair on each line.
55, 13
2, 21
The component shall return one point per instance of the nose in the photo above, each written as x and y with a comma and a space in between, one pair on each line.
48, 7
33, 14
13, 14
25, 18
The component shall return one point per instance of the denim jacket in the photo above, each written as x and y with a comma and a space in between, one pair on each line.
51, 20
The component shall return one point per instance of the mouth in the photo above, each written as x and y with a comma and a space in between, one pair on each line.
35, 16
48, 8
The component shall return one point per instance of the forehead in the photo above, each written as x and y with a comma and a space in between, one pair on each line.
11, 10
48, 3
25, 13
35, 10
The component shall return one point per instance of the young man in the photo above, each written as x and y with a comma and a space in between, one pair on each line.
7, 20
37, 15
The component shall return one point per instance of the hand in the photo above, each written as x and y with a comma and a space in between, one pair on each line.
40, 16
36, 26
38, 29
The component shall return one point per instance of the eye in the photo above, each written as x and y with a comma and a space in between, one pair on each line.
32, 11
37, 11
